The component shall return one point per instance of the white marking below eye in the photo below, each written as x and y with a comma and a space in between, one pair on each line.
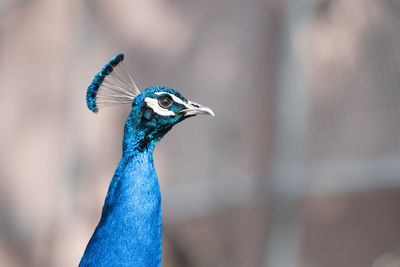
174, 97
153, 104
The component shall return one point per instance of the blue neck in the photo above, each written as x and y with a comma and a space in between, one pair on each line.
129, 231
135, 139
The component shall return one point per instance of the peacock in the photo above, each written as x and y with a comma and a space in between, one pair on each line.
129, 231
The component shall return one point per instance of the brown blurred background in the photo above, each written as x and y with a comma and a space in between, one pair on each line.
300, 166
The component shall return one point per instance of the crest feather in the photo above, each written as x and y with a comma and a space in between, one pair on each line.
111, 86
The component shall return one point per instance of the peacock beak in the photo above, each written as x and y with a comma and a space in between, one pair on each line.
197, 109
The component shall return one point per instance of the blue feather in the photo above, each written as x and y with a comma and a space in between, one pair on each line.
98, 80
111, 83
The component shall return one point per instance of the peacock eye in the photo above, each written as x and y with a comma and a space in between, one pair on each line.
165, 101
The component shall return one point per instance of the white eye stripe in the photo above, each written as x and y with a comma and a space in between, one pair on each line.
174, 97
153, 104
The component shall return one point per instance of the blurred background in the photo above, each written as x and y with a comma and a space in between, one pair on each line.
300, 166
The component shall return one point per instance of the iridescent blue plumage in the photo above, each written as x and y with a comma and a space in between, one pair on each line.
129, 231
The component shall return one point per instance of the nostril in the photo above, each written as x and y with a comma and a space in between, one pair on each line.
195, 105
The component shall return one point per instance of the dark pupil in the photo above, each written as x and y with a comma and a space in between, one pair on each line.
165, 101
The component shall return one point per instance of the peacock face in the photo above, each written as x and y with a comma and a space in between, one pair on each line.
157, 109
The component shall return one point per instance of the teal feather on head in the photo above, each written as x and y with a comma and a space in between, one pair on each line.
129, 231
112, 85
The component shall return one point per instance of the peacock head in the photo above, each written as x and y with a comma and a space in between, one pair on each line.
154, 111
157, 109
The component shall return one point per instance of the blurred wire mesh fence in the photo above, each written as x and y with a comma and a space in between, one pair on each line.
301, 166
